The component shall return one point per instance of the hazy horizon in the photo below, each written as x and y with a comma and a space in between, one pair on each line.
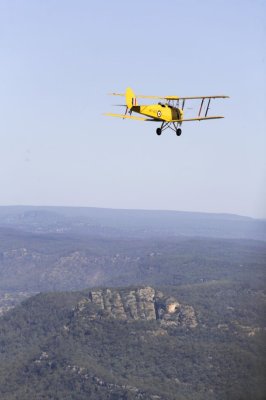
128, 209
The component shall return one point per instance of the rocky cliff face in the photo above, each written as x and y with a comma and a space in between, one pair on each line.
137, 304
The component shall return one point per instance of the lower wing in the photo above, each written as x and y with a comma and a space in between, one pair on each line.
131, 117
196, 119
123, 116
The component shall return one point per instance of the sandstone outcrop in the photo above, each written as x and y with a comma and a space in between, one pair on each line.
145, 303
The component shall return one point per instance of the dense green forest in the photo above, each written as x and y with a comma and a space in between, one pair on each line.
50, 351
59, 344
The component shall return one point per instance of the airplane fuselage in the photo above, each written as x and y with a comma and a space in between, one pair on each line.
160, 111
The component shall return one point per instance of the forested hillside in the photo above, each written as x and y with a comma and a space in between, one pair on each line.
131, 309
62, 346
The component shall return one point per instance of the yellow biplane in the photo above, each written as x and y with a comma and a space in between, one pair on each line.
168, 112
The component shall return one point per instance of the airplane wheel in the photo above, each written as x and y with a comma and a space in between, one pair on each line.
178, 132
158, 131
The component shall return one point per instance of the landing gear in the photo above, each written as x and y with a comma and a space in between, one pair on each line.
171, 125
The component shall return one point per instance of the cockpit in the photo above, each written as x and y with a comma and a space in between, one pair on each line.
165, 105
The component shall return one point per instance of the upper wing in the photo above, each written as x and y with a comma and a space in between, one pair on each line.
131, 117
181, 98
220, 96
140, 96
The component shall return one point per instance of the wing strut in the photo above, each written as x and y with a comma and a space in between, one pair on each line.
207, 109
201, 104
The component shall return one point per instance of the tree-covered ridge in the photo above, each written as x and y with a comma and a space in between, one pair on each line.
52, 348
159, 314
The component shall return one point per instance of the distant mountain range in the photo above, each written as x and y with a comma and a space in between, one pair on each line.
136, 223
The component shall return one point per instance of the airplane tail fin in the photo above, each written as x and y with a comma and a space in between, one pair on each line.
131, 99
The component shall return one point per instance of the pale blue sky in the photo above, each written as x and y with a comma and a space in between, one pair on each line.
59, 59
